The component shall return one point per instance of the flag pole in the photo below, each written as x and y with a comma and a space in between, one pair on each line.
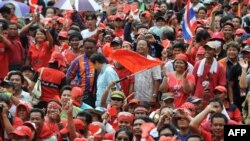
127, 77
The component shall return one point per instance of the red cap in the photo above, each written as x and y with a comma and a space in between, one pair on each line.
76, 92
80, 139
26, 105
57, 56
111, 17
119, 16
146, 14
181, 56
23, 131
126, 116
63, 34
134, 101
220, 89
234, 1
217, 35
79, 125
188, 105
247, 41
240, 31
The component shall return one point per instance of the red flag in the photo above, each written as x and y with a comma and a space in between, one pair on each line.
133, 61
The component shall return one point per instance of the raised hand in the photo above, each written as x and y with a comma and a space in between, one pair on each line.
243, 63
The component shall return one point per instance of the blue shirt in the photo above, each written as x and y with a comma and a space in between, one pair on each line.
106, 76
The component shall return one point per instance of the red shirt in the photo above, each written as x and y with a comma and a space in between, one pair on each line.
119, 33
233, 112
16, 53
176, 86
4, 59
215, 79
69, 56
125, 84
40, 56
51, 84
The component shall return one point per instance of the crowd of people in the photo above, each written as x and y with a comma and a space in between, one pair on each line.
59, 81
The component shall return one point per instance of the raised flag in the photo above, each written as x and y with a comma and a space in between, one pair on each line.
133, 61
188, 26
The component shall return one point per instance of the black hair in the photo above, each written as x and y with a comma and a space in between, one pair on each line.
225, 19
216, 99
127, 131
5, 98
202, 8
66, 87
237, 17
37, 110
75, 35
144, 39
202, 35
170, 127
16, 73
86, 115
41, 30
91, 40
92, 15
5, 9
219, 115
98, 57
144, 118
179, 45
195, 136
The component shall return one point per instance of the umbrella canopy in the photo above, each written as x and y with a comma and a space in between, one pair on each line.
80, 5
133, 61
21, 9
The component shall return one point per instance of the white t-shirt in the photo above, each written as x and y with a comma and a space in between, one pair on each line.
86, 33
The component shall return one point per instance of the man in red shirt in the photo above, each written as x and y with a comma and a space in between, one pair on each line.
4, 46
208, 73
16, 52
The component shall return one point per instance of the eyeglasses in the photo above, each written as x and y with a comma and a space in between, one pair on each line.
116, 99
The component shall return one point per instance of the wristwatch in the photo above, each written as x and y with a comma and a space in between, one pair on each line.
155, 95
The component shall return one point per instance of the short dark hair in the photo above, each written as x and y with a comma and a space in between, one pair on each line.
144, 118
5, 9
37, 110
168, 126
16, 73
225, 19
202, 35
202, 8
91, 40
237, 17
127, 131
75, 35
92, 15
179, 45
4, 98
216, 99
66, 87
98, 57
219, 115
86, 115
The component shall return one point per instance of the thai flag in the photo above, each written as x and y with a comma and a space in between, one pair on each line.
189, 19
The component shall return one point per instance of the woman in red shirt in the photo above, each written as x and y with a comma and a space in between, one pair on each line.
40, 52
179, 82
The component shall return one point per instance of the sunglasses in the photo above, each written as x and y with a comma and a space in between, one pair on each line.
116, 99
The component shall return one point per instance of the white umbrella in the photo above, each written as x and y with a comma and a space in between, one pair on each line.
80, 5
